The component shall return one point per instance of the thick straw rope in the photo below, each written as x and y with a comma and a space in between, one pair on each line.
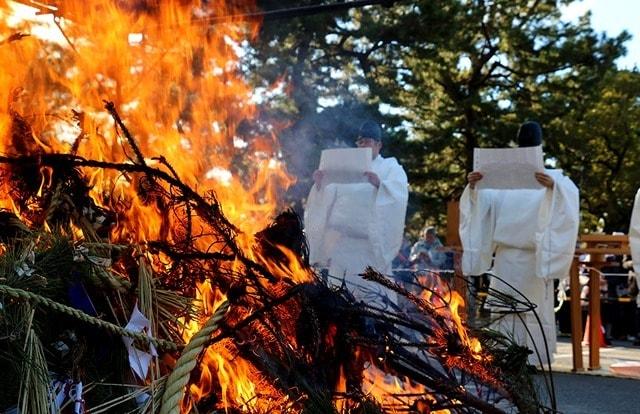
178, 379
41, 300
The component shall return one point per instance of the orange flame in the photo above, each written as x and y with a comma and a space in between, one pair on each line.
290, 268
240, 384
341, 388
447, 303
175, 81
389, 390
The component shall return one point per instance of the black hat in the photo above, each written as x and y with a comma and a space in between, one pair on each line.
530, 134
370, 129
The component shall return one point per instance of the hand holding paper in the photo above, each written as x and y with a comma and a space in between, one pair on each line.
544, 179
372, 178
473, 177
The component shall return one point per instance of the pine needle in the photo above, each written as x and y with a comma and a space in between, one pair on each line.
34, 375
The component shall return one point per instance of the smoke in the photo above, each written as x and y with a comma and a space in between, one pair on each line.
304, 140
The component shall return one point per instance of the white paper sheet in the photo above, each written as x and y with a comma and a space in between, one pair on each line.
139, 360
345, 165
508, 168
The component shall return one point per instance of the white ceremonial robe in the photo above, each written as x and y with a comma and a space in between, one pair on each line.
634, 234
634, 240
352, 226
533, 234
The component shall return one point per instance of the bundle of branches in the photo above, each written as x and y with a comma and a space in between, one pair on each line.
71, 279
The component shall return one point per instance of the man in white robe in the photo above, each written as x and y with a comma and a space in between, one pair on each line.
355, 225
634, 245
530, 235
634, 234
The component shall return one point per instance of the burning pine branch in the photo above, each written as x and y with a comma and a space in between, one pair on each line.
280, 340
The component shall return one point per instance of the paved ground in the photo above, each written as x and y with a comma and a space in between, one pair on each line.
600, 391
593, 394
620, 351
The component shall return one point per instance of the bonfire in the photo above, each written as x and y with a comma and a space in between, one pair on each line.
147, 262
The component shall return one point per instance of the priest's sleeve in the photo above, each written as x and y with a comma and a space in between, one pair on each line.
390, 208
316, 213
558, 228
477, 225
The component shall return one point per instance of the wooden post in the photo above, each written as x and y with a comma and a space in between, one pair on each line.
453, 223
576, 316
460, 285
453, 243
594, 319
597, 246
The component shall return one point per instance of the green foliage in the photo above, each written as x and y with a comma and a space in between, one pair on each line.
445, 77
37, 343
598, 143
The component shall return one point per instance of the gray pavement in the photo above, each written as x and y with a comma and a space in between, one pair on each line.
594, 394
601, 391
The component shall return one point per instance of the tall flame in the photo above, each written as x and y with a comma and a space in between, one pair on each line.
174, 79
176, 82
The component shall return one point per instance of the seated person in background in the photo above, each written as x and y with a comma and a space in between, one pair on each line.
616, 285
426, 257
427, 253
401, 261
615, 318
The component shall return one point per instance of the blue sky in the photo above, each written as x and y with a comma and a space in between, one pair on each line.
613, 16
